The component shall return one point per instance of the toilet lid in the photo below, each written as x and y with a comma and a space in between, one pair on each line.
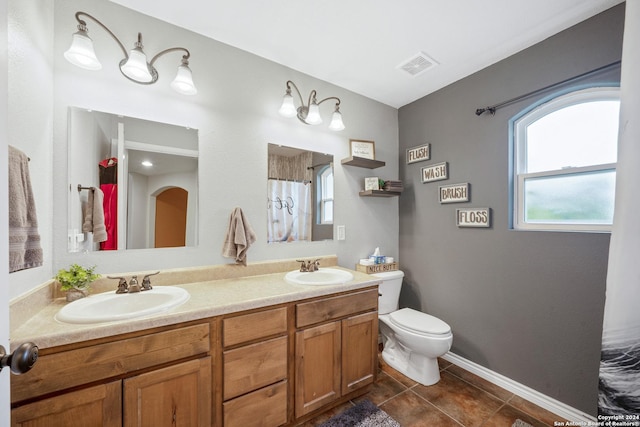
419, 322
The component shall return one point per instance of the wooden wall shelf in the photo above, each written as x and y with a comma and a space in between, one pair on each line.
379, 193
361, 162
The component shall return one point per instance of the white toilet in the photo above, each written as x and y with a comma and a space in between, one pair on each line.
412, 340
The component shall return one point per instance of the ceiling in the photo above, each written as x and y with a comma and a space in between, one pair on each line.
360, 45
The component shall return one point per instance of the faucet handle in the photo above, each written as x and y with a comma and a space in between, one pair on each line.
303, 267
146, 281
123, 288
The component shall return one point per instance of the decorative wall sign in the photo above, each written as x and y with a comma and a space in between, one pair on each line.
364, 149
372, 183
454, 193
435, 172
473, 217
419, 153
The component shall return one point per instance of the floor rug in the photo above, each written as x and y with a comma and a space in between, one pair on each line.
364, 414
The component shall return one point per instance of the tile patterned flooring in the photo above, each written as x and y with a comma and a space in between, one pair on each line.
459, 399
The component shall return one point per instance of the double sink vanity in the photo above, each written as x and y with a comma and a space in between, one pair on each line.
224, 345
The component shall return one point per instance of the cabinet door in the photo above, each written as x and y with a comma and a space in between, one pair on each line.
317, 367
178, 395
359, 351
92, 407
266, 407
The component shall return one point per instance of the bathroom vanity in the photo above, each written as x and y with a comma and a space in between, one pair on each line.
273, 354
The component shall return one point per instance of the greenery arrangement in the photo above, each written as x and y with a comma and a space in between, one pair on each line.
76, 277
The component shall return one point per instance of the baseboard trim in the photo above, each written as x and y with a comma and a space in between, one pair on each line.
564, 412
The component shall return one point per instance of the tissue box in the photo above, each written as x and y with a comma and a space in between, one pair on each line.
376, 268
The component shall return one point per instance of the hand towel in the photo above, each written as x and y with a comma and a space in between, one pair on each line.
94, 216
239, 237
24, 240
97, 221
87, 222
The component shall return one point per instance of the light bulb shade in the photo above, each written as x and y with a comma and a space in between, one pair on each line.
313, 116
183, 83
336, 121
81, 53
287, 109
136, 67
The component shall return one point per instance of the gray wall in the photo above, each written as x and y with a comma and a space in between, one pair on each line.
527, 305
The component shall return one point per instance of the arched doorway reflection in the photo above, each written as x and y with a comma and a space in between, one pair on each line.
171, 218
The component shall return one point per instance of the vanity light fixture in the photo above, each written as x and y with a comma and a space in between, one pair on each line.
134, 66
309, 113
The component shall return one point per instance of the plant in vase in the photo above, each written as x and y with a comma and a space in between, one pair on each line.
76, 281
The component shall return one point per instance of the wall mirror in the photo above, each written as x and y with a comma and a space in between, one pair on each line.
300, 195
147, 174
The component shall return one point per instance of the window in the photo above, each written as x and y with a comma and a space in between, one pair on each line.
325, 195
565, 154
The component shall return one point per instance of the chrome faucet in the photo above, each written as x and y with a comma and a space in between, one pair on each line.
133, 285
309, 266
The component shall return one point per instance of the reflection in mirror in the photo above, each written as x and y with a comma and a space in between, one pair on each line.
300, 195
144, 176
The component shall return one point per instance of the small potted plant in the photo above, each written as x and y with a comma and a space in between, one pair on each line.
76, 281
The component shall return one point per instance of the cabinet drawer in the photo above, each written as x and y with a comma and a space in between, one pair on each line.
100, 405
309, 313
60, 371
248, 327
251, 367
266, 407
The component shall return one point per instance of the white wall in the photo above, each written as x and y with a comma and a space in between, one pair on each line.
235, 112
30, 120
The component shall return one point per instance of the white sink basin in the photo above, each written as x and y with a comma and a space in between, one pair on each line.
322, 277
109, 306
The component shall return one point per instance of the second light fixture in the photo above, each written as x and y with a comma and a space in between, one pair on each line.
309, 113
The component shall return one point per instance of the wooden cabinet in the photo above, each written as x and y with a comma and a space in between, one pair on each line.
255, 369
267, 367
96, 406
130, 387
359, 351
338, 356
178, 395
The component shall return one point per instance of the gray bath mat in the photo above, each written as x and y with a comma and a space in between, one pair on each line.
364, 414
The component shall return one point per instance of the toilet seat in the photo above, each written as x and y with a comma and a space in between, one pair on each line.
419, 322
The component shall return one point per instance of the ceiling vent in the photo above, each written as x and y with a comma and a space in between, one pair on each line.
418, 64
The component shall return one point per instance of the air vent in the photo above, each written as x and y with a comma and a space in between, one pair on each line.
418, 64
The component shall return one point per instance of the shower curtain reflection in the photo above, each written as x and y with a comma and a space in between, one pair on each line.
289, 211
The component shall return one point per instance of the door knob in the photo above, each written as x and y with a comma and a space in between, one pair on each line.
21, 360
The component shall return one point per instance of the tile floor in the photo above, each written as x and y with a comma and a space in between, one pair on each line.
459, 399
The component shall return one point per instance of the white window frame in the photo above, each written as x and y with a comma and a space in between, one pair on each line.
520, 161
322, 200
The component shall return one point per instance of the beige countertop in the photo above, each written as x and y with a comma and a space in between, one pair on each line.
208, 298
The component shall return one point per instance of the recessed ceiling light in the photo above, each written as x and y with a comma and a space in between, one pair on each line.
147, 163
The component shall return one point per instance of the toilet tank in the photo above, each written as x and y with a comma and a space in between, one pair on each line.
389, 290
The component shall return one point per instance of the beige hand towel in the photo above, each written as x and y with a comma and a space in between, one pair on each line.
239, 237
24, 241
98, 227
94, 216
87, 223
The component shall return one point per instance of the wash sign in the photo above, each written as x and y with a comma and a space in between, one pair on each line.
435, 172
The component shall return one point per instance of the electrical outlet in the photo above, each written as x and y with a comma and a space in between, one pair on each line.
342, 232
